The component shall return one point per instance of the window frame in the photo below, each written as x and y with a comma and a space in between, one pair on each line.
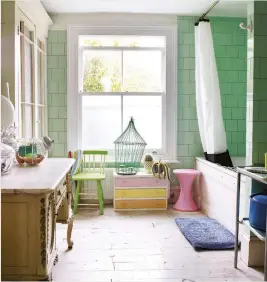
121, 94
169, 99
38, 100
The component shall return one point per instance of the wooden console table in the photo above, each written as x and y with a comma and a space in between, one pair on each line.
33, 200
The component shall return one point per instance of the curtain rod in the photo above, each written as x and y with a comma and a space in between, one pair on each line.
203, 16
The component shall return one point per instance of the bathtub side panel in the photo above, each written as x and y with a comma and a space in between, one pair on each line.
217, 193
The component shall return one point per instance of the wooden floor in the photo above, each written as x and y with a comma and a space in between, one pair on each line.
140, 246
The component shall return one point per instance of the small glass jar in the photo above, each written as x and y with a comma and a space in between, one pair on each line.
31, 151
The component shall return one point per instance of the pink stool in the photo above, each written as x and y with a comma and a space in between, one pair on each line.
186, 178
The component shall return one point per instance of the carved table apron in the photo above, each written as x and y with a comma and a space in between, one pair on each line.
29, 217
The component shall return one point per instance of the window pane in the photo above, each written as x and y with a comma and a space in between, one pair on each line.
28, 72
147, 114
101, 71
122, 41
101, 121
27, 120
39, 122
39, 78
142, 71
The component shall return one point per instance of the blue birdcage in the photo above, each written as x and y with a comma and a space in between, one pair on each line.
129, 150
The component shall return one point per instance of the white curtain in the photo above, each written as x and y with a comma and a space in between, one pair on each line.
208, 97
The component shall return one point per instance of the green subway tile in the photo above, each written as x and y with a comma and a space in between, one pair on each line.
241, 150
220, 51
49, 48
223, 99
184, 25
259, 131
62, 137
49, 74
189, 63
183, 76
188, 38
180, 63
62, 112
239, 64
188, 138
193, 125
56, 125
260, 86
52, 62
189, 113
231, 51
229, 137
241, 102
259, 25
52, 87
58, 150
189, 88
62, 61
193, 101
197, 138
53, 112
239, 40
192, 75
242, 125
183, 100
222, 39
232, 76
182, 151
242, 76
227, 113
58, 49
183, 126
62, 87
238, 113
186, 162
58, 100
239, 88
242, 52
53, 136
260, 7
231, 101
232, 149
237, 137
192, 50
262, 111
184, 51
65, 49
263, 67
62, 36
222, 76
231, 125
52, 36
225, 88
195, 150
58, 75
224, 63
260, 49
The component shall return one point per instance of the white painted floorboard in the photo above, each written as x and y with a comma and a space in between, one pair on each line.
140, 246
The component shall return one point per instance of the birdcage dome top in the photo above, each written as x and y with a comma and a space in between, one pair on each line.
130, 136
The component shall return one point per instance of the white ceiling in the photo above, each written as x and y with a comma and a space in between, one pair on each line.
230, 8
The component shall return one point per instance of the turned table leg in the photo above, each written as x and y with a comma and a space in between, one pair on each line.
71, 215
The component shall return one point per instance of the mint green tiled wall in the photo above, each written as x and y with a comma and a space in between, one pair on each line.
230, 51
57, 91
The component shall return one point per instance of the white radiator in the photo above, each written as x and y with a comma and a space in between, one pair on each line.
89, 189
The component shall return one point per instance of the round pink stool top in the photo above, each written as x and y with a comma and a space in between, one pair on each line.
186, 171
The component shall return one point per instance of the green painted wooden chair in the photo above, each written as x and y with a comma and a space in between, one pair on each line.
92, 169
